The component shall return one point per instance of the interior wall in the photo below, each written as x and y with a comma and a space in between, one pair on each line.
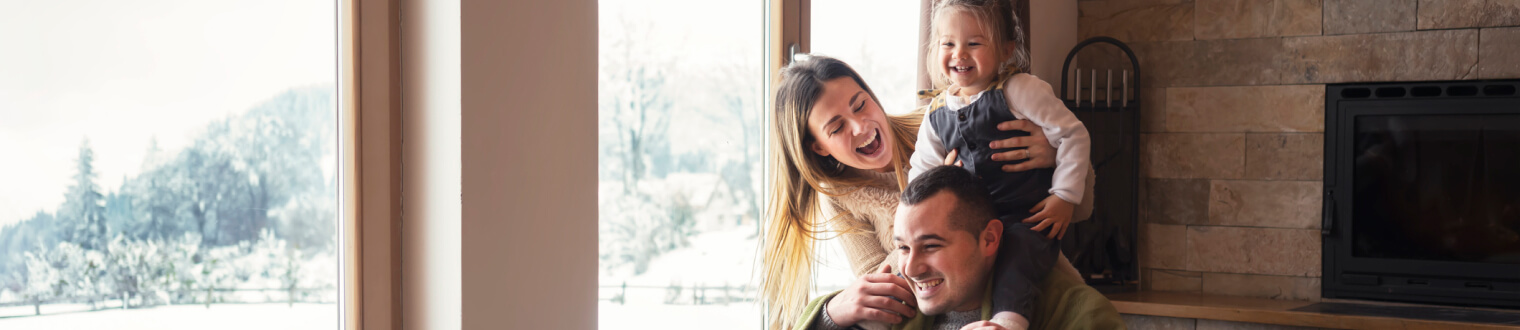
1052, 33
529, 162
431, 166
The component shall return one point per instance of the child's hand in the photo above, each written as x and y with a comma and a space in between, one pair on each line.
1053, 213
950, 159
1002, 321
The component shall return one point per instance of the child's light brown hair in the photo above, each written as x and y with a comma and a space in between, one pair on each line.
999, 22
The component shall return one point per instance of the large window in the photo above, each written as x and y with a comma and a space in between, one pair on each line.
168, 164
682, 129
680, 152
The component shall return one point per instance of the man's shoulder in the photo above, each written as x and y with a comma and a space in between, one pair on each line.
1067, 303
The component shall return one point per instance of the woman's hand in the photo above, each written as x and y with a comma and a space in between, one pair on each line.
871, 299
1039, 152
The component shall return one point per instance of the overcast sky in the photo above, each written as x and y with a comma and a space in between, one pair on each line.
122, 72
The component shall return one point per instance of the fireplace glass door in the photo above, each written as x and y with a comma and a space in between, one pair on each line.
1437, 187
1422, 192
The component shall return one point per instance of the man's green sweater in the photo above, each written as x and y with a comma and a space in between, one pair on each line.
1064, 304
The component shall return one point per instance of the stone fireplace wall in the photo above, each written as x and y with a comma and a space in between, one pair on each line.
1233, 131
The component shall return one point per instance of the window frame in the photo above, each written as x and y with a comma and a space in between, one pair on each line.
370, 108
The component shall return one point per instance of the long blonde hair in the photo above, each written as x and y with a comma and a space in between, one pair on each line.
798, 175
1001, 25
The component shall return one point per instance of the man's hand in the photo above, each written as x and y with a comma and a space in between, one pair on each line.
1040, 153
1053, 213
870, 299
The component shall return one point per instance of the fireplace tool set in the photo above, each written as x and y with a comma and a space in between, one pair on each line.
1104, 248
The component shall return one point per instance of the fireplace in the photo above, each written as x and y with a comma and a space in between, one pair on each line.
1422, 192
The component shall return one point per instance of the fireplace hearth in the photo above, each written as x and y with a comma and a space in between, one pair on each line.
1422, 192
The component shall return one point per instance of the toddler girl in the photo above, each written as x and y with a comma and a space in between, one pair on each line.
976, 59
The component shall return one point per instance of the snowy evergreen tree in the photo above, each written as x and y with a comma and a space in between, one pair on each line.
83, 213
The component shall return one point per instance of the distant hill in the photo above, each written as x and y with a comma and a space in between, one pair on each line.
269, 167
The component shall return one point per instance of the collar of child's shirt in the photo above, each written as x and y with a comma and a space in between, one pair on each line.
937, 96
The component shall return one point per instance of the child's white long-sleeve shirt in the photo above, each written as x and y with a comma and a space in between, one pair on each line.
1033, 99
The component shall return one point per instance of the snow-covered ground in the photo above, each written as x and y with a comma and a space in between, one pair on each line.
219, 316
714, 259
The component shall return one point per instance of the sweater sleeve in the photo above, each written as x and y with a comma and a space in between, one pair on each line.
863, 246
813, 313
1032, 98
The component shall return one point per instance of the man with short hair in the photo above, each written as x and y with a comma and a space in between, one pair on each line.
947, 240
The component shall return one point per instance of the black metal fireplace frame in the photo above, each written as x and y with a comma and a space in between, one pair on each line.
1444, 282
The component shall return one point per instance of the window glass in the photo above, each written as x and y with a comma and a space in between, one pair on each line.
681, 137
879, 39
168, 164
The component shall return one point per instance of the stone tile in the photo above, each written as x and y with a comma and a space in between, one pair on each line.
1105, 8
1273, 204
1229, 62
1295, 156
1173, 280
1192, 155
1293, 108
1450, 14
1131, 21
1497, 53
1232, 325
1268, 251
1165, 246
1262, 286
1148, 322
1233, 19
1368, 16
1404, 56
1152, 110
1101, 56
1176, 201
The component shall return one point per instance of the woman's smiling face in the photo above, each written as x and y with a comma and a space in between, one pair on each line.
849, 125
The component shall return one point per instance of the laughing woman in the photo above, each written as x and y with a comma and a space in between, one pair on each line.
839, 163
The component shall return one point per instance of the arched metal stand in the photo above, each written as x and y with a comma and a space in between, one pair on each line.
1105, 248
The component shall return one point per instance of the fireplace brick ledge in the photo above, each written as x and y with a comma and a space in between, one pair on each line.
1277, 312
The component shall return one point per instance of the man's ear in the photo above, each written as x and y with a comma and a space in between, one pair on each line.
992, 235
818, 149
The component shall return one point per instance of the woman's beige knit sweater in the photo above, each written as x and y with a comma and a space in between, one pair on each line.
870, 210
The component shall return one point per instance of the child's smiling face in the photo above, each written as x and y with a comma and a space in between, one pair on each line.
967, 54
